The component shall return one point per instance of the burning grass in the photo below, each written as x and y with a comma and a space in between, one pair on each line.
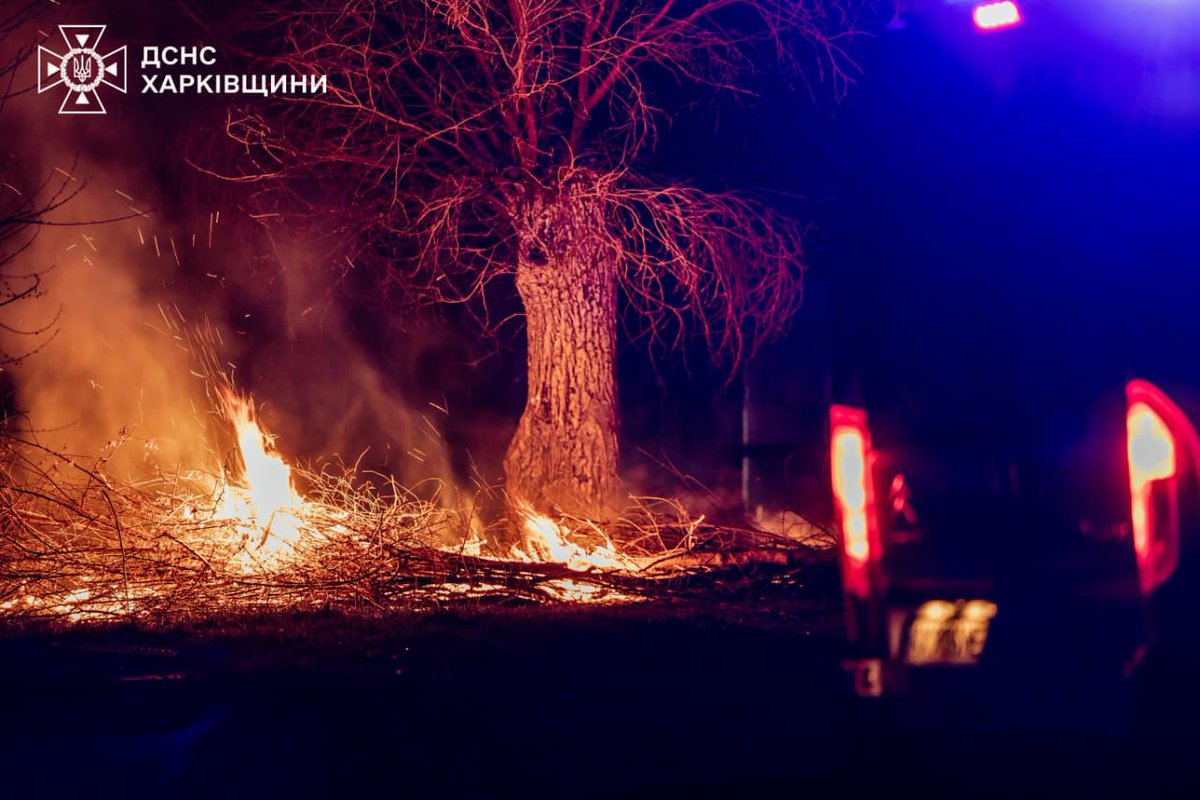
78, 545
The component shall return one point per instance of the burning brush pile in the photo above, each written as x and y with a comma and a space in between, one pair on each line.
78, 545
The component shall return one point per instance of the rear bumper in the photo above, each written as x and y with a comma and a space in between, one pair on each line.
1057, 658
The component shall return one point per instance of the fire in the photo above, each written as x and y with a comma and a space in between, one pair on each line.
185, 537
546, 541
260, 497
262, 494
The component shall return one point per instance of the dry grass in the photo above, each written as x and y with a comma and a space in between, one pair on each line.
78, 546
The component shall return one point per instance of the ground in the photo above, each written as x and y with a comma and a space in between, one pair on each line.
737, 697
564, 700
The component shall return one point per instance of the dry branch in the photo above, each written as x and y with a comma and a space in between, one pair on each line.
80, 547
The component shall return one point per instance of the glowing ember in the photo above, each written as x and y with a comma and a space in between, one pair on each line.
571, 591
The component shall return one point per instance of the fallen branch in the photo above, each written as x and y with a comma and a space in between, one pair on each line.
159, 552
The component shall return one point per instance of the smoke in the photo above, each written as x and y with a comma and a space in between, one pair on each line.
119, 377
332, 395
150, 251
109, 367
119, 364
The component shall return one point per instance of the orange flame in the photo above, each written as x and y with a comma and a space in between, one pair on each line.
263, 493
546, 541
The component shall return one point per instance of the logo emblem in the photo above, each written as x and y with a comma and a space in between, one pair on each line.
82, 69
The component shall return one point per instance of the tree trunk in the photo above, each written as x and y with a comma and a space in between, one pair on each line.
564, 454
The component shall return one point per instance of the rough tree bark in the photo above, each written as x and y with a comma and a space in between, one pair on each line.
564, 454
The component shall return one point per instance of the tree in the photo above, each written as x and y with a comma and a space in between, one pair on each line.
465, 141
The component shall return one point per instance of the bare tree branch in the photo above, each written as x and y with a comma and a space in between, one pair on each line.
445, 116
464, 141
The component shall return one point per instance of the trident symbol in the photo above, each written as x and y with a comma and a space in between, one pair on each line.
81, 68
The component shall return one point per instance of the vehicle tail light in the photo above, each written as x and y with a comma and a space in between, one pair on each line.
1154, 426
1151, 459
850, 459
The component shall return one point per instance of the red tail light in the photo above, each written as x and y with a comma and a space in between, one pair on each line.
1153, 425
1151, 459
854, 493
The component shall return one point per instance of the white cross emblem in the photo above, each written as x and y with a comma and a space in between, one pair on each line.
82, 68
